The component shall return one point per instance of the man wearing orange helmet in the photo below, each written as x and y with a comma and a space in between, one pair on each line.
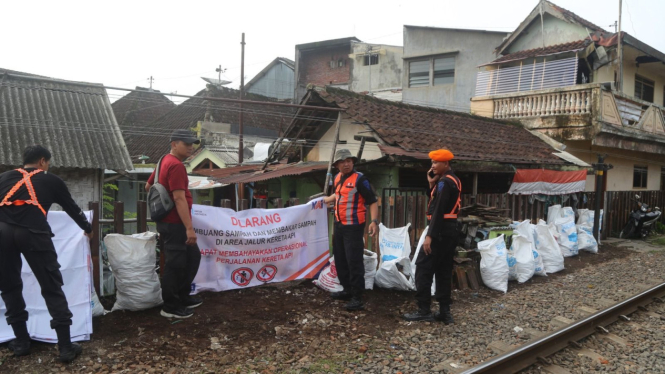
436, 256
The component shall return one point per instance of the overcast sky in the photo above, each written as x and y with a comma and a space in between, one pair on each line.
122, 43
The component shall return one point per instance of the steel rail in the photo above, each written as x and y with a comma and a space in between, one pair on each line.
526, 355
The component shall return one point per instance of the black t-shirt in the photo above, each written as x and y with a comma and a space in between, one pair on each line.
49, 189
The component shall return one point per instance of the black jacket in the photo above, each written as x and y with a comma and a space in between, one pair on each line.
445, 195
49, 189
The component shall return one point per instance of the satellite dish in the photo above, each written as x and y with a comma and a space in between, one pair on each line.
216, 82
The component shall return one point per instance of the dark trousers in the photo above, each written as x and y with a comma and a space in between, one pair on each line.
439, 263
348, 249
181, 265
39, 252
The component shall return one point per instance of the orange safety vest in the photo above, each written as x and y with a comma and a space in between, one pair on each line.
31, 190
456, 208
350, 206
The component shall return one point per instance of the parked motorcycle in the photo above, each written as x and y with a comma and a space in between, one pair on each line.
641, 222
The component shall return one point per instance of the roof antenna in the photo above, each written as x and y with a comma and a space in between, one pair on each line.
151, 79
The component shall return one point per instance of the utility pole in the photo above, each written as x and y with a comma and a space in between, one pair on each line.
614, 25
600, 169
241, 186
369, 63
620, 54
151, 79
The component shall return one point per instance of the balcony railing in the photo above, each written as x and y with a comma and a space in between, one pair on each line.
544, 104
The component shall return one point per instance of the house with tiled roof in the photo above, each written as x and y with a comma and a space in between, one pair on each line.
392, 141
137, 110
216, 123
567, 78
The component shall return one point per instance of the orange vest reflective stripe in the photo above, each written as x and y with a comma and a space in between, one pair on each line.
458, 204
453, 213
28, 185
350, 205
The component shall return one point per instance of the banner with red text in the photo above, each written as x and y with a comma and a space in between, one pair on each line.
258, 246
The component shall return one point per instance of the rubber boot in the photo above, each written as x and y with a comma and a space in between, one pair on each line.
424, 313
68, 350
444, 315
21, 345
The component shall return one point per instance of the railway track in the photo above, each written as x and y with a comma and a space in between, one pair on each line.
542, 346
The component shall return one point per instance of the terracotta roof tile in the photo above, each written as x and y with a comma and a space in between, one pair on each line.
421, 129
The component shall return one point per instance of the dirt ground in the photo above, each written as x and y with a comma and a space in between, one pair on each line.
263, 329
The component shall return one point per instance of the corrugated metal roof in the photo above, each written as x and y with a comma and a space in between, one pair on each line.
253, 173
75, 122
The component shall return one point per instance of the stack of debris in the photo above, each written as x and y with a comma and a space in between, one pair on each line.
484, 216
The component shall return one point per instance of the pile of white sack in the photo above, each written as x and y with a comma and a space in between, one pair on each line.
537, 249
395, 270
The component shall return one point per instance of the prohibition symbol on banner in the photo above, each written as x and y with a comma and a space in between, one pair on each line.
242, 276
267, 273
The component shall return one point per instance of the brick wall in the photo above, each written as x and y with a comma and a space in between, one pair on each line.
84, 185
314, 66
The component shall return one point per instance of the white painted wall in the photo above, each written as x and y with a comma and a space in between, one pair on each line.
556, 32
347, 130
84, 184
386, 74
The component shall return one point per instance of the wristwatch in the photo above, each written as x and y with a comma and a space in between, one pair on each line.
374, 221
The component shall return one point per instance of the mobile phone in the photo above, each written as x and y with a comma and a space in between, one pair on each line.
431, 174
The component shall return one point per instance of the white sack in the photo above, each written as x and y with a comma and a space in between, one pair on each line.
370, 261
394, 243
95, 304
328, 280
493, 265
553, 213
585, 239
528, 231
133, 261
567, 212
389, 275
567, 236
587, 216
520, 259
415, 257
548, 248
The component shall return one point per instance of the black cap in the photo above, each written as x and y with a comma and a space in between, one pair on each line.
185, 136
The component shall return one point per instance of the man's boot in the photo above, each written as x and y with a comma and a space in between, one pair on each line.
444, 314
68, 350
424, 313
356, 302
21, 345
341, 295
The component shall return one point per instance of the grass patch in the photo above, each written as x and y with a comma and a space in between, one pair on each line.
659, 241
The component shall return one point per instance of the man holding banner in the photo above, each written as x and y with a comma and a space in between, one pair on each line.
352, 193
26, 196
436, 257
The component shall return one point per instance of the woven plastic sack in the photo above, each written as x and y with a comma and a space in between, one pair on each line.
567, 236
548, 248
133, 261
328, 280
493, 264
370, 260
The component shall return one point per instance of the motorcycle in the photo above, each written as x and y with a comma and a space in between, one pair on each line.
641, 222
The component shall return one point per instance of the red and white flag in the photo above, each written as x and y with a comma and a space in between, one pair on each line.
547, 182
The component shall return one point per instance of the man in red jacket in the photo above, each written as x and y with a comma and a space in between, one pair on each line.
176, 229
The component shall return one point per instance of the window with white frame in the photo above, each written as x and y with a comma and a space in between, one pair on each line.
640, 174
433, 71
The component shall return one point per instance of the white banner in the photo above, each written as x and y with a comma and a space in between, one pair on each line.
258, 246
73, 250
